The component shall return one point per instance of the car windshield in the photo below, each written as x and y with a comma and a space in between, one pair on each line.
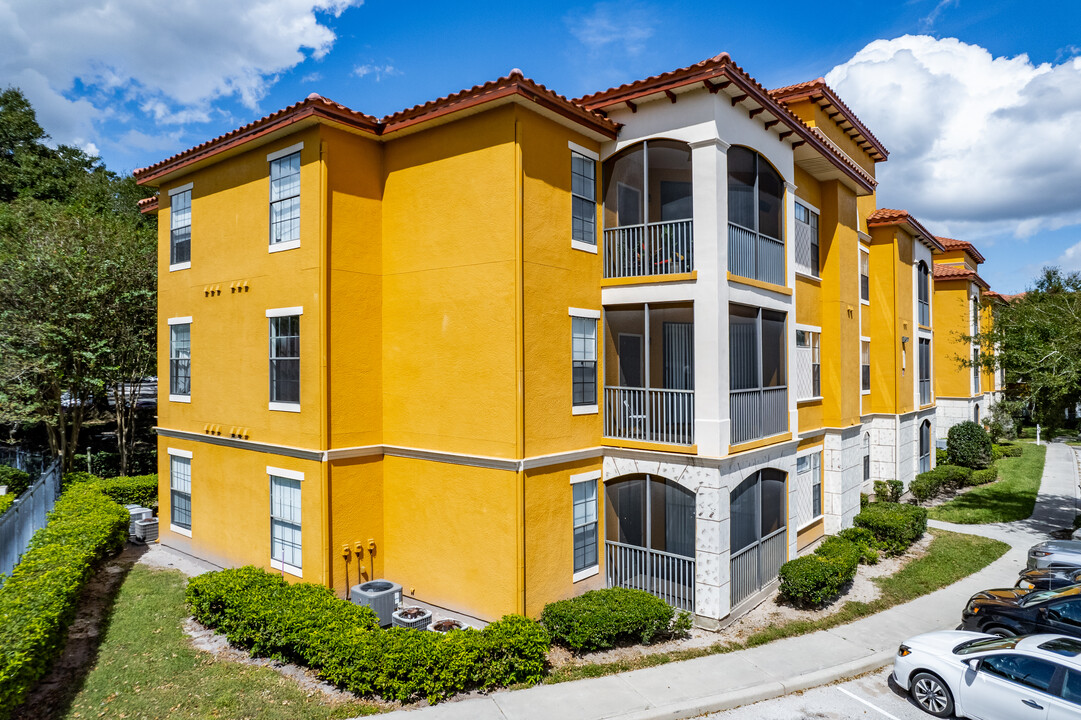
1040, 596
984, 644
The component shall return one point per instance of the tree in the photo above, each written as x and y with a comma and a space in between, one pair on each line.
1037, 341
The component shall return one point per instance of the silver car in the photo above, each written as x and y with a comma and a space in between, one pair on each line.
1055, 554
1034, 677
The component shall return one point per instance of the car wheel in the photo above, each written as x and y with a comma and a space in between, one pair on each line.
932, 695
999, 631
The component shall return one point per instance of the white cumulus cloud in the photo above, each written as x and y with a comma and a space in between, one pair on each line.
378, 72
173, 60
975, 140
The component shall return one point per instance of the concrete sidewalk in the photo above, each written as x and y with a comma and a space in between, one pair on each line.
719, 682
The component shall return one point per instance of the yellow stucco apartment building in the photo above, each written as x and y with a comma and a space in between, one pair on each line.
505, 347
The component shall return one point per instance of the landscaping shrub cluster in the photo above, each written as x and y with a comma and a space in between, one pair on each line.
600, 619
889, 490
307, 624
969, 445
982, 477
863, 539
16, 480
6, 501
139, 490
1005, 450
931, 483
895, 526
941, 457
38, 601
819, 577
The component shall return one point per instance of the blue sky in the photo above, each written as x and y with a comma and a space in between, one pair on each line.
979, 102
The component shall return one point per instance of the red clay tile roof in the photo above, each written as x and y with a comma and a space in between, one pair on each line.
148, 205
317, 106
819, 92
887, 216
957, 272
951, 244
716, 74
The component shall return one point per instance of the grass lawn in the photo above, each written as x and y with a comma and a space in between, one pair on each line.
1011, 497
146, 669
950, 557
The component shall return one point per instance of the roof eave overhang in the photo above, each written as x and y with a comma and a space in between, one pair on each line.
913, 228
860, 133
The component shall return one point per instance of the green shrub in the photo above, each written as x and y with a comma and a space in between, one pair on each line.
865, 500
982, 477
39, 600
969, 445
814, 579
889, 490
306, 624
895, 526
941, 457
140, 490
997, 453
601, 618
6, 501
16, 480
78, 476
863, 539
931, 483
1011, 450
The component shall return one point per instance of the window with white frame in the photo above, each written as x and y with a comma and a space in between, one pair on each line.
925, 446
285, 534
808, 364
583, 199
865, 275
923, 293
584, 361
975, 320
808, 488
180, 227
285, 359
585, 524
806, 240
865, 365
179, 360
866, 458
180, 492
975, 371
925, 371
285, 199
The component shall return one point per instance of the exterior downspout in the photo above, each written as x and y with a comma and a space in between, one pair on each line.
324, 342
519, 356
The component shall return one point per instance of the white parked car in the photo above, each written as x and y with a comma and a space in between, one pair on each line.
991, 678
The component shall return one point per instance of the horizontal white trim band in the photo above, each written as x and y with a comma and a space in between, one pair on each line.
592, 155
584, 313
583, 246
179, 453
585, 409
285, 312
284, 473
180, 266
585, 477
180, 398
284, 151
284, 407
287, 245
285, 567
179, 320
587, 573
181, 188
179, 530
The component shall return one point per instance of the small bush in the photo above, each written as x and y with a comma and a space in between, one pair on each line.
1011, 450
6, 501
929, 484
16, 480
39, 600
307, 624
969, 445
982, 477
997, 453
79, 476
865, 500
895, 526
138, 490
889, 490
814, 579
941, 457
863, 539
600, 619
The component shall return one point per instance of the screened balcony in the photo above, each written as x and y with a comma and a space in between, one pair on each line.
755, 218
649, 373
648, 211
758, 393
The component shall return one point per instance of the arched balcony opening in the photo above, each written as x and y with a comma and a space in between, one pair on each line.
755, 217
648, 210
759, 538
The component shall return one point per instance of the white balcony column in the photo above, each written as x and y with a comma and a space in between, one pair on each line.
712, 587
790, 280
709, 163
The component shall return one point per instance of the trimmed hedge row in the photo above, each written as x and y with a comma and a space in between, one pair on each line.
814, 579
16, 480
6, 501
895, 526
931, 483
889, 490
139, 489
982, 477
39, 600
863, 539
307, 624
600, 619
1005, 450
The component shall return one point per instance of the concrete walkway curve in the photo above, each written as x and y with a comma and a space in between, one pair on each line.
720, 682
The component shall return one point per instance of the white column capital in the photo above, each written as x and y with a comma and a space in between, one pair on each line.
710, 142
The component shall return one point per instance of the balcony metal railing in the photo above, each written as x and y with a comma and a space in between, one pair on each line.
666, 575
661, 248
756, 566
758, 413
650, 415
754, 255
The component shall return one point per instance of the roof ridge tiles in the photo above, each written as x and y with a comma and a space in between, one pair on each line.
820, 84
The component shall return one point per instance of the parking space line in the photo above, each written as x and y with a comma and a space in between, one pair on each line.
870, 705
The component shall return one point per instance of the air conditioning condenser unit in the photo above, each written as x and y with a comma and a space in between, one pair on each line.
382, 596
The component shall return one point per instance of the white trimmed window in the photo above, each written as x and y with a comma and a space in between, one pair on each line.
865, 366
179, 361
925, 371
180, 229
585, 523
285, 200
583, 199
865, 275
806, 240
285, 361
808, 364
180, 493
584, 361
285, 535
808, 488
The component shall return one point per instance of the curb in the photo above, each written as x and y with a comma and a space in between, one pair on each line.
766, 691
